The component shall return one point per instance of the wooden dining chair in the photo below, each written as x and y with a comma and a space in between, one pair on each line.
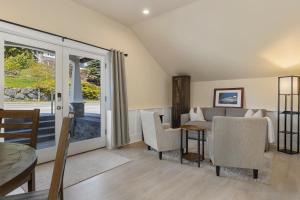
56, 188
22, 125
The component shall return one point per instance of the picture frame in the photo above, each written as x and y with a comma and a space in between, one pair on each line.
229, 97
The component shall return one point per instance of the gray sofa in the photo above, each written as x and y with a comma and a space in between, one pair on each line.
210, 113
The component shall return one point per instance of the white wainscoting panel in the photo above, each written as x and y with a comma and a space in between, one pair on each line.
135, 125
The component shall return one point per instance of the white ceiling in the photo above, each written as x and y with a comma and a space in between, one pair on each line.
129, 12
216, 40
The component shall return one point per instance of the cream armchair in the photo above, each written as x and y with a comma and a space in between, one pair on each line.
238, 142
159, 136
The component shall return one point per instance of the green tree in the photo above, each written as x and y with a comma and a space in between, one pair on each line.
11, 51
93, 71
90, 91
43, 76
22, 70
14, 64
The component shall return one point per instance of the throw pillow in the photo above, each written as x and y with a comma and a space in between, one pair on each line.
198, 116
192, 114
258, 114
249, 113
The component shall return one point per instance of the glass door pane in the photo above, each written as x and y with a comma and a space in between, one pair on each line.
56, 80
29, 83
84, 97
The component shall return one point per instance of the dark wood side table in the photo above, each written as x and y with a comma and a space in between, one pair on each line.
199, 156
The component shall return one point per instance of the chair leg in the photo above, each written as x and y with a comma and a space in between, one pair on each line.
218, 170
31, 182
61, 195
149, 148
160, 155
61, 190
255, 173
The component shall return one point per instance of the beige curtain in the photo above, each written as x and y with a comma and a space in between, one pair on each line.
120, 131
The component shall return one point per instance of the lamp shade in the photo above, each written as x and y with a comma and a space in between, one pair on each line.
289, 85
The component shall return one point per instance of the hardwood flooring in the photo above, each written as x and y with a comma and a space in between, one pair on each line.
146, 177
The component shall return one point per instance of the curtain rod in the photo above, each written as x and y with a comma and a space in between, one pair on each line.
53, 34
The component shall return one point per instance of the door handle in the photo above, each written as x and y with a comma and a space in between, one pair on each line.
58, 107
58, 96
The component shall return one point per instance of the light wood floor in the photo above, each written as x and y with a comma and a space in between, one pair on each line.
146, 177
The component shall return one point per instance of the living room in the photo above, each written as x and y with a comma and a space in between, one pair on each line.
190, 99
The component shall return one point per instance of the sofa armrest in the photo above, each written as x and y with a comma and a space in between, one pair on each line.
184, 118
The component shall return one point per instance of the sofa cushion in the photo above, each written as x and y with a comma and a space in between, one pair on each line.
210, 113
205, 124
235, 112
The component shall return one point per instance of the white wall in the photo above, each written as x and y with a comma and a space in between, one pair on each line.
148, 85
259, 92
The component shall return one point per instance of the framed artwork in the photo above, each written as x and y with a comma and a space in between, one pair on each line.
229, 97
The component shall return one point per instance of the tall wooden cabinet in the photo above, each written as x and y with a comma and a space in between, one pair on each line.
181, 88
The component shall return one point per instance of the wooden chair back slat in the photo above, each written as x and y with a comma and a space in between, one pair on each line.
16, 113
15, 135
56, 187
16, 126
34, 115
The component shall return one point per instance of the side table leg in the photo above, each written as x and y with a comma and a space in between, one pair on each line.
202, 144
181, 146
199, 149
187, 141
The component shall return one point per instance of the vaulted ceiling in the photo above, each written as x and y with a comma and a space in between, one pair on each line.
129, 12
212, 39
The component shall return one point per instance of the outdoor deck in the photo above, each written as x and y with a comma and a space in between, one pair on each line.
86, 127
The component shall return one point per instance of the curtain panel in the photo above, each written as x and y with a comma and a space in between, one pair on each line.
120, 130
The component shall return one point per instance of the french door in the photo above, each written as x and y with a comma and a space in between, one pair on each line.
85, 89
31, 78
56, 78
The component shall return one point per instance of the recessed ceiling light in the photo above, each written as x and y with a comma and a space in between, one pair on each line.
146, 11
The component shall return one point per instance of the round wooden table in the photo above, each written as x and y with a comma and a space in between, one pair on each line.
17, 162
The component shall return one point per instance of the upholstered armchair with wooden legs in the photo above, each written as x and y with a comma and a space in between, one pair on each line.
238, 142
158, 137
56, 188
